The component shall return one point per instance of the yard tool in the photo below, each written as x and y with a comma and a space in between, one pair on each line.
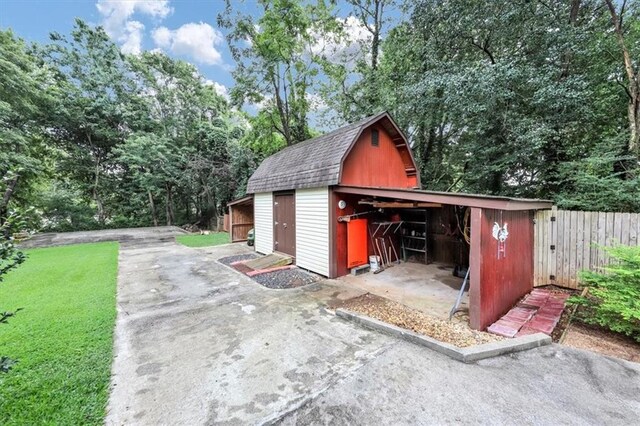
394, 251
456, 306
387, 254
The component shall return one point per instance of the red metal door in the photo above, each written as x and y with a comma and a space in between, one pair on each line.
284, 224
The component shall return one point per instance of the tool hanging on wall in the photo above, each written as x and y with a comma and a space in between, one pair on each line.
348, 217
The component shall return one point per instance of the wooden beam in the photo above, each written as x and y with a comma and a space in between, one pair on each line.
402, 205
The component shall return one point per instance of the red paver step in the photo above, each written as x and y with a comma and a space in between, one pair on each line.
503, 328
538, 312
519, 314
543, 324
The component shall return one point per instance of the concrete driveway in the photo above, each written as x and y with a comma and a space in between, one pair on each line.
199, 343
127, 237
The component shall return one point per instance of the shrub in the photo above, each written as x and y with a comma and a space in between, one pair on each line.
614, 294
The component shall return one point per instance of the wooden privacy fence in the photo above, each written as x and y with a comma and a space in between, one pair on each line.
565, 242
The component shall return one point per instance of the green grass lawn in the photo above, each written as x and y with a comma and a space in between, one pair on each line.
62, 338
213, 239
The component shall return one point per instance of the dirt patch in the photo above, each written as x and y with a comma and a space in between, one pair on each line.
602, 341
455, 332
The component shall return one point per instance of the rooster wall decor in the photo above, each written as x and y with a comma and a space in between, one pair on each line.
501, 234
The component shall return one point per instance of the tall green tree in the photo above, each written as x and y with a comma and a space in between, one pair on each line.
274, 59
93, 115
27, 94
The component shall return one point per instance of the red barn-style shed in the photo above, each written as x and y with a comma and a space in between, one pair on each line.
307, 196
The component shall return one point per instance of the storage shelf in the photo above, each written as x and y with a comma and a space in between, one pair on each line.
415, 238
413, 222
413, 249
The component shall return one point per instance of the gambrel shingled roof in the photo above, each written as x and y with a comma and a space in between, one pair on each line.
313, 163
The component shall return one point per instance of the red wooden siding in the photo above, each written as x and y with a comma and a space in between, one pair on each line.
498, 282
378, 166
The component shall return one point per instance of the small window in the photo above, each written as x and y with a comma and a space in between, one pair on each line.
375, 141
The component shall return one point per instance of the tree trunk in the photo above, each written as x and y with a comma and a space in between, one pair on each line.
375, 42
152, 206
633, 86
169, 205
4, 204
94, 191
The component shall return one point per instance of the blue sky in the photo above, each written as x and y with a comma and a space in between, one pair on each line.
183, 29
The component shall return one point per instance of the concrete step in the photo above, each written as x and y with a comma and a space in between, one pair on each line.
269, 261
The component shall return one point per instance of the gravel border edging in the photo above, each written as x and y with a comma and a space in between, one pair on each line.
466, 355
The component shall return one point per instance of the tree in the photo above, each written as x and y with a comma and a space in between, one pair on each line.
631, 66
26, 96
274, 59
10, 258
495, 95
194, 126
93, 114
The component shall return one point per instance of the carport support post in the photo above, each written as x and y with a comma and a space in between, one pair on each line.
475, 271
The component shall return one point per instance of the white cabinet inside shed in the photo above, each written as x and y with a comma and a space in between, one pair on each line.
312, 229
263, 218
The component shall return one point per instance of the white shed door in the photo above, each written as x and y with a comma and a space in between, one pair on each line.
312, 229
263, 222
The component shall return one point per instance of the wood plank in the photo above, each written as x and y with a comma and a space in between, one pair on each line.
586, 241
625, 227
399, 205
634, 230
537, 260
553, 240
601, 240
573, 247
579, 248
617, 229
566, 250
609, 235
544, 249
560, 248
593, 258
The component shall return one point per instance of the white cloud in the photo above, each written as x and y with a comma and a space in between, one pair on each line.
162, 37
116, 20
343, 48
132, 38
220, 89
316, 103
196, 40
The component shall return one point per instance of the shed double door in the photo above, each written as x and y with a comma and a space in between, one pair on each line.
284, 223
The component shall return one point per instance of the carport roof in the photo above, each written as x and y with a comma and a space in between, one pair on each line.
244, 201
451, 198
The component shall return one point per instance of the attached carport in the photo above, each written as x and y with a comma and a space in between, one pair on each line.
500, 243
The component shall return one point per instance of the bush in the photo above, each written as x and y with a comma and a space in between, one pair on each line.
614, 295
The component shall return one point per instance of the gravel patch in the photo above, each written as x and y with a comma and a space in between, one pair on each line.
454, 333
230, 259
285, 278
